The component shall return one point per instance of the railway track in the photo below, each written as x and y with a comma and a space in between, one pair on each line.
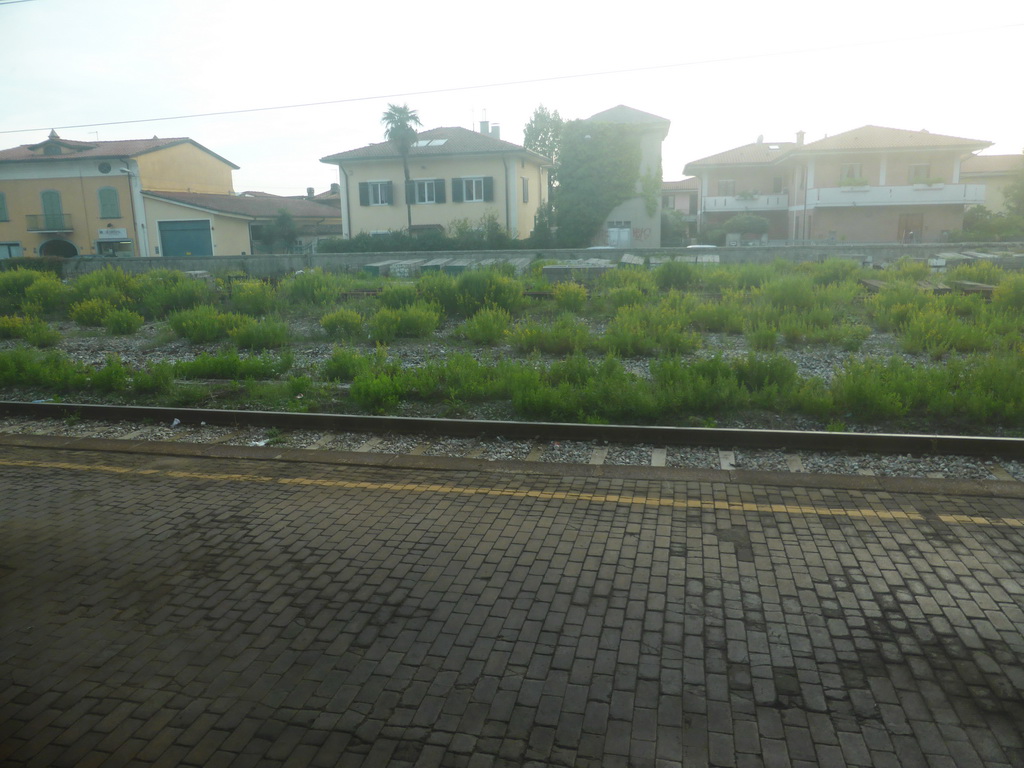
935, 456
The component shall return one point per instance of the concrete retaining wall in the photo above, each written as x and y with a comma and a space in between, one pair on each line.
278, 266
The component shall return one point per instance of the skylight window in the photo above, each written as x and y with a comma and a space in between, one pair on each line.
430, 142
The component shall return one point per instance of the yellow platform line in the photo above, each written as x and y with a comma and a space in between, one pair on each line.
441, 488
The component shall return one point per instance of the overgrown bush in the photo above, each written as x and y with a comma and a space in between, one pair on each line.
91, 312
1009, 294
416, 321
345, 364
229, 365
488, 288
113, 285
253, 297
34, 331
398, 295
48, 293
262, 334
313, 288
342, 324
487, 326
567, 334
161, 291
569, 296
122, 322
674, 276
204, 324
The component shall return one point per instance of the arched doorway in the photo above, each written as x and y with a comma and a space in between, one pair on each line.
61, 248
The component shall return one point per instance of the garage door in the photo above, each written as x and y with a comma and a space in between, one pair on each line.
185, 238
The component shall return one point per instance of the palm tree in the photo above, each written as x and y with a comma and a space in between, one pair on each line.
400, 129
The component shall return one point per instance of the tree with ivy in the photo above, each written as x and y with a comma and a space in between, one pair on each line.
599, 166
400, 125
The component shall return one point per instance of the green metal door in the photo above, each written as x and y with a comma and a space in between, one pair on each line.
185, 238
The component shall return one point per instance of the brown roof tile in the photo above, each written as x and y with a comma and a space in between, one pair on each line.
992, 164
624, 114
259, 207
759, 153
691, 183
96, 149
873, 137
455, 141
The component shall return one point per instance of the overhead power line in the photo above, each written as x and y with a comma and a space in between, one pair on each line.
506, 84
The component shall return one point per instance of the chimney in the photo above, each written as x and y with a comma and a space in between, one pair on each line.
485, 127
309, 192
760, 139
335, 188
495, 131
800, 138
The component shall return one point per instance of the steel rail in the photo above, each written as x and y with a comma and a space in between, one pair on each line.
849, 442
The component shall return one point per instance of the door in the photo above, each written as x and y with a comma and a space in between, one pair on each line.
620, 234
53, 211
185, 238
911, 227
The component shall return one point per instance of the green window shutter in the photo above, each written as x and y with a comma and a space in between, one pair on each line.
389, 192
410, 192
456, 190
364, 193
488, 188
439, 191
110, 205
53, 211
3, 207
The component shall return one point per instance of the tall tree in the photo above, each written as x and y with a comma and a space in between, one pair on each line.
544, 132
400, 125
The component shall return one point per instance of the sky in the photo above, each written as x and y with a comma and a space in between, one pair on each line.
724, 73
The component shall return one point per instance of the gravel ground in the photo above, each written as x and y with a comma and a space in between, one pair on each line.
566, 452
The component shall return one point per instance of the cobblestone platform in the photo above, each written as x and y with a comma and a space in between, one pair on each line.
176, 610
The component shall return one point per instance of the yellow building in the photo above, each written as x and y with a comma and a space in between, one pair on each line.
455, 175
77, 198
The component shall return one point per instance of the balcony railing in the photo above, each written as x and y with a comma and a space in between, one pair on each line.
738, 203
913, 194
49, 222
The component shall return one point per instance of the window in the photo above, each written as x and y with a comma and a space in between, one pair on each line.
425, 191
916, 174
850, 171
3, 207
110, 205
526, 189
778, 184
375, 193
473, 189
726, 187
668, 201
10, 250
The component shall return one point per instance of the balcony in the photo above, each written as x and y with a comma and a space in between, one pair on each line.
913, 194
740, 204
49, 222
